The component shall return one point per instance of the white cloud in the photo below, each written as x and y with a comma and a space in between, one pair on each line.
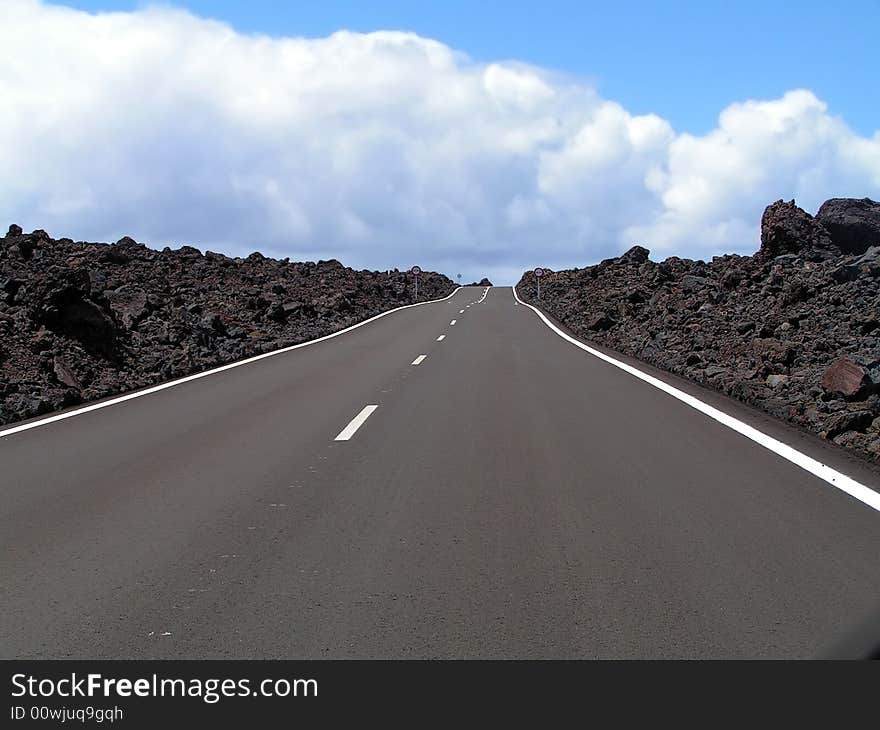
379, 149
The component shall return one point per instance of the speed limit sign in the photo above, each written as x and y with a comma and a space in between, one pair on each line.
415, 271
539, 271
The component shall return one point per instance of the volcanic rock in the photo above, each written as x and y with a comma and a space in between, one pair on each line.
854, 225
793, 329
847, 421
128, 303
600, 321
65, 374
787, 229
636, 255
80, 321
846, 378
776, 381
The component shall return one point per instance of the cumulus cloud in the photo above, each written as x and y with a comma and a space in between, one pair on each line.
382, 149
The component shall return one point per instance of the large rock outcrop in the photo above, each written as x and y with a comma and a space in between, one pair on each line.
787, 229
794, 329
80, 321
854, 225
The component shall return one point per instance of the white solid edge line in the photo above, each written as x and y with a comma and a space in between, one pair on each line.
864, 494
419, 360
346, 433
441, 338
196, 376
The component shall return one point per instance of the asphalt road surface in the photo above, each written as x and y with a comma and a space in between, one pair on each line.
509, 496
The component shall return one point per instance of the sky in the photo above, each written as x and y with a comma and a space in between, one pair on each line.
481, 138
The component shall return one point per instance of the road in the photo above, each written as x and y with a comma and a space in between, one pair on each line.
510, 496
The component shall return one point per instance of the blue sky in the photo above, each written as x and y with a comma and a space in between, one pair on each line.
683, 60
477, 137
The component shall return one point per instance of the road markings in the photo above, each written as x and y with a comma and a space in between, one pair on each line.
419, 359
346, 433
206, 373
453, 322
826, 473
461, 311
441, 338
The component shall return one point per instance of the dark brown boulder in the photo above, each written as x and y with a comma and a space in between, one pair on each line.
65, 374
853, 225
846, 378
788, 229
847, 421
86, 322
600, 321
128, 303
636, 255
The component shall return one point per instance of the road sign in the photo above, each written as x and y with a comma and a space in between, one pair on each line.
415, 272
539, 271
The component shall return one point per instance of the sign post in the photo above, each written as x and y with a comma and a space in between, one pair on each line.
415, 270
539, 272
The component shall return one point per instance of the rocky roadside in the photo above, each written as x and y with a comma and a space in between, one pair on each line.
793, 329
81, 321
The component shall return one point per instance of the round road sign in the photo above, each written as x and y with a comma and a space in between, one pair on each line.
416, 270
539, 271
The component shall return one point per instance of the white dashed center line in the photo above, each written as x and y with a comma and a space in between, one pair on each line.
346, 433
441, 338
453, 321
419, 359
461, 311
